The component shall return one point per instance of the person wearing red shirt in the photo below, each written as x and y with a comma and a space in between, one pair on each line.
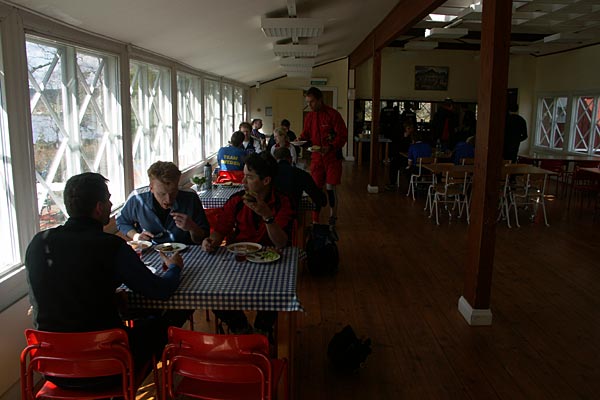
258, 215
325, 128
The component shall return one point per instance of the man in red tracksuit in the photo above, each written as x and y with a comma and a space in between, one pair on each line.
327, 133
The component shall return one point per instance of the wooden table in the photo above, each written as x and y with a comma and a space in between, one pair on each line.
539, 156
521, 169
591, 170
439, 168
358, 142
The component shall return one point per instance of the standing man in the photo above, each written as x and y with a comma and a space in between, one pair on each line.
73, 271
161, 212
327, 133
515, 132
444, 124
257, 134
249, 144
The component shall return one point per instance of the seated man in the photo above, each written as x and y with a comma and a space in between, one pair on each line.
249, 144
231, 159
294, 181
161, 212
417, 150
73, 271
463, 150
259, 215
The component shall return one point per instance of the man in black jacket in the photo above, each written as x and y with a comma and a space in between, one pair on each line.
294, 181
73, 271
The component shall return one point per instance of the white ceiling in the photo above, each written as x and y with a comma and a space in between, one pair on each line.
224, 37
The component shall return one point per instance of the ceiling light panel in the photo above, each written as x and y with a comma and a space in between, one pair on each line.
297, 62
291, 27
445, 33
295, 50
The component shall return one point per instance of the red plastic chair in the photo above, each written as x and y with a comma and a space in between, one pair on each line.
220, 366
77, 355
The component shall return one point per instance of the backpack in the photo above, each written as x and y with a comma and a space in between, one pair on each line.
322, 257
346, 351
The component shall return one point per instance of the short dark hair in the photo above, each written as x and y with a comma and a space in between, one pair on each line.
83, 192
256, 120
246, 124
315, 92
285, 122
282, 153
237, 138
263, 164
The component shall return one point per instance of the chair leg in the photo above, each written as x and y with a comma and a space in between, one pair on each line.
544, 211
436, 202
514, 204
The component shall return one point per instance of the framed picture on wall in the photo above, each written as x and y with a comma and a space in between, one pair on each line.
268, 111
431, 78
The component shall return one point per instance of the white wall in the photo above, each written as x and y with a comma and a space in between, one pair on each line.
13, 321
571, 71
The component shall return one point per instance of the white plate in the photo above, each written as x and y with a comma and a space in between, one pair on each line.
143, 243
169, 247
298, 142
311, 149
244, 247
264, 256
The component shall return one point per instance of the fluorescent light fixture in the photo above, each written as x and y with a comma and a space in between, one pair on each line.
445, 33
297, 62
295, 50
440, 17
291, 27
298, 69
565, 37
420, 45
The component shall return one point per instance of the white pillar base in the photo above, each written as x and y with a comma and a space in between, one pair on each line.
474, 317
349, 158
372, 189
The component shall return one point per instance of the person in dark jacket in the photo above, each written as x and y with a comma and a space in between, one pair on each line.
74, 270
515, 131
294, 181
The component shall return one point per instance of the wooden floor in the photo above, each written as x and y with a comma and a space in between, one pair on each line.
399, 283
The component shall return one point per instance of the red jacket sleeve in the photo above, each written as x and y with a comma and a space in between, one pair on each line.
339, 127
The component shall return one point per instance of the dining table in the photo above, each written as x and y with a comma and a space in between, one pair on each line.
216, 281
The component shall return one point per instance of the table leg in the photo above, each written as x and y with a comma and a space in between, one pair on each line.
286, 329
360, 150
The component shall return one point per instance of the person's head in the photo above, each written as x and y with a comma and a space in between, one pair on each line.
259, 171
86, 195
237, 138
246, 128
314, 98
513, 107
407, 105
417, 137
281, 137
282, 153
257, 123
409, 129
164, 182
448, 104
471, 140
285, 124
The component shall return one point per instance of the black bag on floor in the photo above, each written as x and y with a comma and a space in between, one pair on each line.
321, 251
346, 351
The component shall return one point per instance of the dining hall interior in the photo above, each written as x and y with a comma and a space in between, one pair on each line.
459, 310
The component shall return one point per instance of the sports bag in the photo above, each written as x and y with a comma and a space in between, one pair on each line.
346, 351
322, 257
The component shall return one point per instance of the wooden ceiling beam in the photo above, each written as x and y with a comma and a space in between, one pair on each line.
402, 17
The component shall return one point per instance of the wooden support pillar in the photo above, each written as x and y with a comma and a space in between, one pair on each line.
474, 305
374, 159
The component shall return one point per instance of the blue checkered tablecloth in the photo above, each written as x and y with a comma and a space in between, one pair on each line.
218, 196
216, 281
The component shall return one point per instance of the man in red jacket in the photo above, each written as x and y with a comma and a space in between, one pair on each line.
327, 133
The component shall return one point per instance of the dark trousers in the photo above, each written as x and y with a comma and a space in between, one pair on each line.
238, 323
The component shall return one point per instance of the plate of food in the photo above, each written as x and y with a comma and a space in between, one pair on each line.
298, 142
169, 247
139, 244
314, 149
244, 248
264, 256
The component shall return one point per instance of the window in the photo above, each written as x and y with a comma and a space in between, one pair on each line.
552, 120
190, 119
238, 106
75, 118
212, 117
150, 118
586, 126
228, 127
8, 228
